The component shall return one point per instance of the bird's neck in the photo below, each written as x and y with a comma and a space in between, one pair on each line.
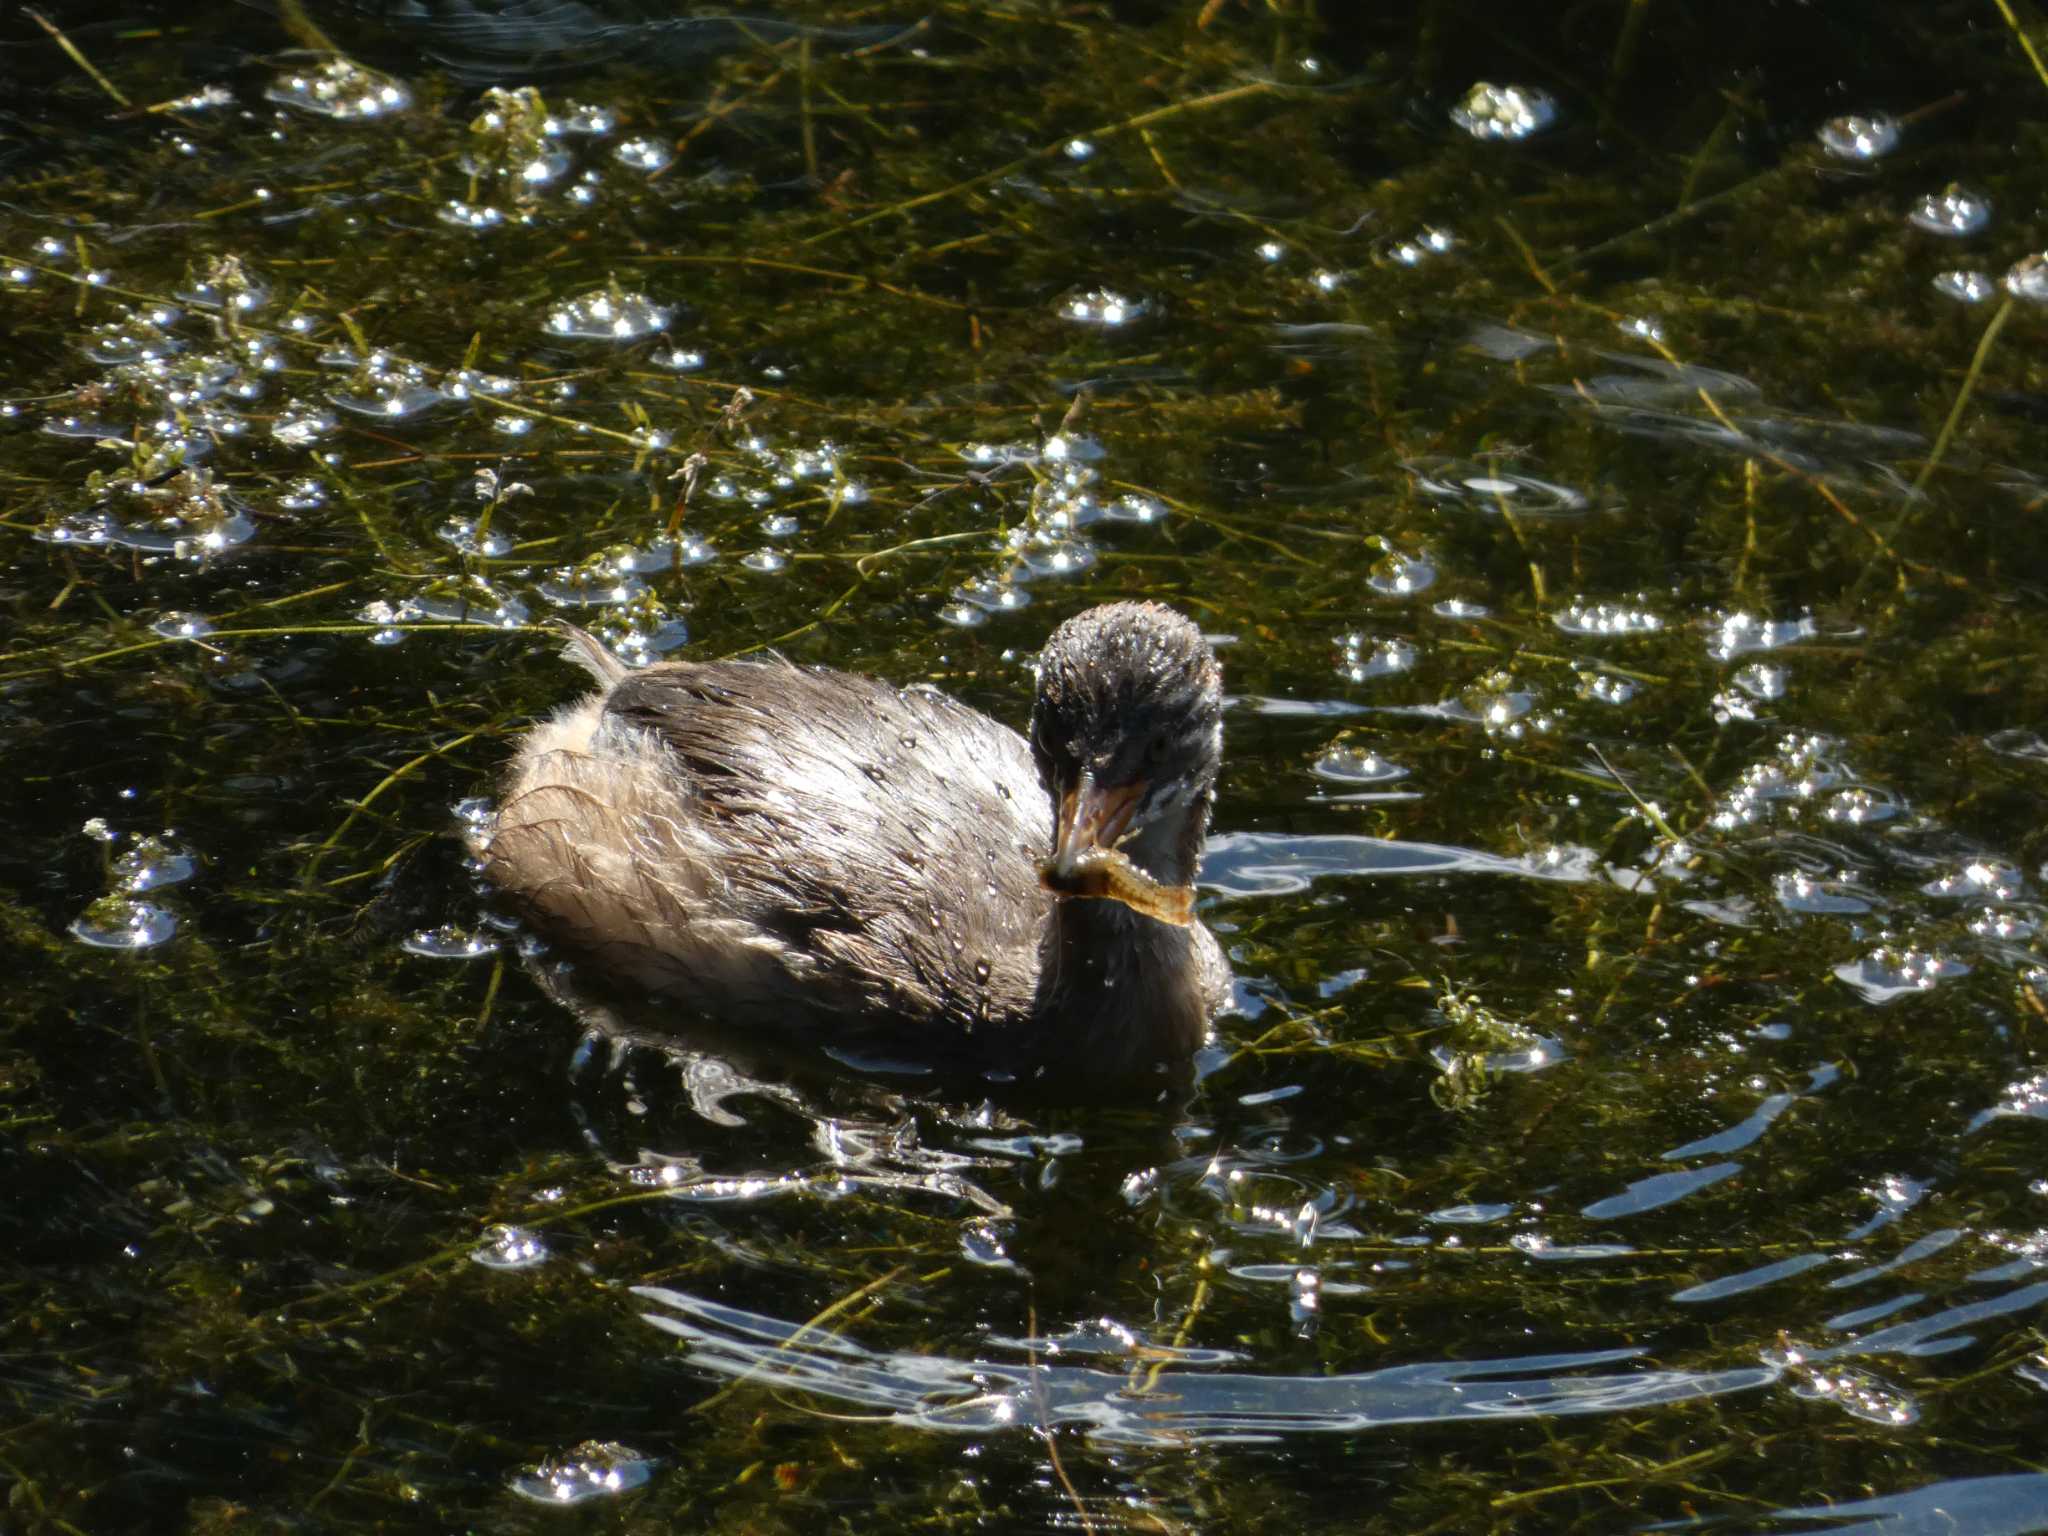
1126, 990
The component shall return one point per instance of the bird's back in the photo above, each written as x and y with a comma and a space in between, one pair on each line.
784, 843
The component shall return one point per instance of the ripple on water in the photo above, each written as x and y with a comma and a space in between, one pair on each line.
1490, 488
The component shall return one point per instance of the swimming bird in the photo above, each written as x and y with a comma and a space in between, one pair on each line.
828, 855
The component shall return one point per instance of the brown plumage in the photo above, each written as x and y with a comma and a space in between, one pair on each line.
823, 852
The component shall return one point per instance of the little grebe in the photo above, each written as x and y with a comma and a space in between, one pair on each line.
794, 846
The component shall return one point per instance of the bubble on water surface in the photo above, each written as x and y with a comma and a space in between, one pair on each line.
151, 864
450, 942
1458, 608
678, 359
1964, 285
647, 155
1606, 620
1101, 306
1860, 1393
1855, 136
1492, 701
596, 1469
509, 1247
604, 581
478, 218
176, 625
1955, 211
1361, 656
384, 386
120, 922
1888, 973
640, 632
1134, 507
303, 494
133, 339
2027, 278
1800, 892
226, 285
1600, 688
767, 561
1738, 634
994, 594
1046, 554
1426, 244
1399, 575
463, 534
1761, 681
1979, 880
963, 615
454, 600
608, 314
585, 119
1356, 765
1505, 113
672, 553
1861, 805
339, 89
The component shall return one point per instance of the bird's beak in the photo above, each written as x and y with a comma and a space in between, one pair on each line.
1086, 861
1092, 821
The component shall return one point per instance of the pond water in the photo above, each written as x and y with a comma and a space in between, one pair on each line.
1604, 445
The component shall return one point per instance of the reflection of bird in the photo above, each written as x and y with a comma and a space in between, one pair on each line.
774, 844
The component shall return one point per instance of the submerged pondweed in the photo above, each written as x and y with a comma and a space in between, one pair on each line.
1609, 488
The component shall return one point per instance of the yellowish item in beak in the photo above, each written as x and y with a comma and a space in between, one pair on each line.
1087, 864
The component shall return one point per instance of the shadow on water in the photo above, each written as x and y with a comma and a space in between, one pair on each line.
1601, 443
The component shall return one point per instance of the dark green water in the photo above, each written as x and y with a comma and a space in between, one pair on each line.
1635, 1115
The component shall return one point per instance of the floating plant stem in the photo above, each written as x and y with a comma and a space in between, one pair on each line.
2004, 9
402, 771
1955, 413
71, 52
1046, 152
